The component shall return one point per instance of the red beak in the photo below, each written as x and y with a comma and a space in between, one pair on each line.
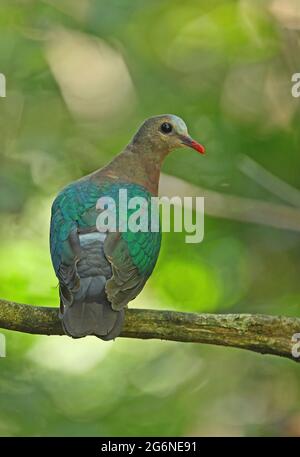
188, 141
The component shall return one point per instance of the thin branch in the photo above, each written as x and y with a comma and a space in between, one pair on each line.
234, 207
258, 333
268, 180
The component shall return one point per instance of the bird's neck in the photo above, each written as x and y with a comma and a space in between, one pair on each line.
131, 165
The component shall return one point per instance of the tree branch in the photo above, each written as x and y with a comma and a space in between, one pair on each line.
258, 333
233, 207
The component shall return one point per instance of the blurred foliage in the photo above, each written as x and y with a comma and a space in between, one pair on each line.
80, 77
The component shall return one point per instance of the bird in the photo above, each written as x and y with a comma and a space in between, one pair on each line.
100, 272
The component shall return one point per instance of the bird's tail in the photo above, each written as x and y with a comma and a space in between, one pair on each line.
82, 319
88, 311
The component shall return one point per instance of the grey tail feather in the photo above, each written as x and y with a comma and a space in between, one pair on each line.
92, 318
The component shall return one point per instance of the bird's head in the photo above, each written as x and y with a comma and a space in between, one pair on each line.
161, 134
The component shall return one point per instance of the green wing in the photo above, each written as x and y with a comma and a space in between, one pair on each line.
132, 257
73, 208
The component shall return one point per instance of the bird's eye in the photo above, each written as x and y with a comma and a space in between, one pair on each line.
166, 127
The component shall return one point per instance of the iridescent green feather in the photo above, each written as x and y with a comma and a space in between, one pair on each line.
75, 207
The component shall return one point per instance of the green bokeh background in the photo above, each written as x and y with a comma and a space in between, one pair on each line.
81, 76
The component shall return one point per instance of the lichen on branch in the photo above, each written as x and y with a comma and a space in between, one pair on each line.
255, 332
